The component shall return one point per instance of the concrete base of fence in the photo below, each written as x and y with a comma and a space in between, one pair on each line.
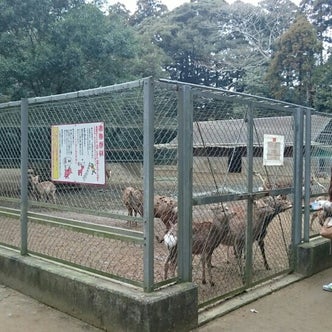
314, 256
107, 305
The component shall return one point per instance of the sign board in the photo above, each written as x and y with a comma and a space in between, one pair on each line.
273, 154
78, 153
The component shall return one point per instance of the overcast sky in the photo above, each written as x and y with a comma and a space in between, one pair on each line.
171, 4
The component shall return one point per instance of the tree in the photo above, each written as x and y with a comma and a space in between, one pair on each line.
148, 9
148, 59
46, 49
24, 25
213, 43
319, 13
187, 35
119, 10
250, 32
323, 91
290, 74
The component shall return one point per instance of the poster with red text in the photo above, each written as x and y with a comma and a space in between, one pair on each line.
273, 153
78, 153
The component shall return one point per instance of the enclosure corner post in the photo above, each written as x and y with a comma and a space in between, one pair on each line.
307, 174
24, 176
298, 177
249, 229
148, 175
185, 169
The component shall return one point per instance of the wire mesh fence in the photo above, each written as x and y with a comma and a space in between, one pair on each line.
10, 147
88, 226
320, 163
223, 164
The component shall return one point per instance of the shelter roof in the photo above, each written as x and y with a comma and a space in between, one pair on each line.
234, 133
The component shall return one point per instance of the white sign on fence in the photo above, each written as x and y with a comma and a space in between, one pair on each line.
78, 153
273, 154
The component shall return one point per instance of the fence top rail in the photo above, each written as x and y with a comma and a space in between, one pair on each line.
77, 94
238, 96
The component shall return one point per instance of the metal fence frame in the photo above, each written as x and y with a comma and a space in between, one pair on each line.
301, 155
186, 201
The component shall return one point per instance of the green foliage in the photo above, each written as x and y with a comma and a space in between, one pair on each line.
187, 35
56, 46
290, 74
148, 9
49, 49
323, 80
319, 12
213, 43
250, 32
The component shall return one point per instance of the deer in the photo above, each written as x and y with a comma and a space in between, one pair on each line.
227, 228
207, 236
133, 199
265, 210
45, 190
165, 208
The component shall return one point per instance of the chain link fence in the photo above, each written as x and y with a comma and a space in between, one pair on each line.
321, 163
228, 139
89, 226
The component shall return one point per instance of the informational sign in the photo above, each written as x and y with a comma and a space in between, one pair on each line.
78, 153
273, 154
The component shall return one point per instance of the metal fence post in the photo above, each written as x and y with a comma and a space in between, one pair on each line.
249, 229
185, 169
298, 178
24, 176
307, 174
148, 175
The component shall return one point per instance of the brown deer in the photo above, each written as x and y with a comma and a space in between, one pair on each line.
207, 236
165, 207
133, 200
45, 190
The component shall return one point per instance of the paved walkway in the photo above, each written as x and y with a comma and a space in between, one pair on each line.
299, 307
22, 313
302, 306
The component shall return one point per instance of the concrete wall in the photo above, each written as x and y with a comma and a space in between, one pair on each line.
314, 256
107, 305
117, 307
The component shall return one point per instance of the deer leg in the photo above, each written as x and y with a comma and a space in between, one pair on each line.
130, 213
228, 254
203, 260
209, 266
171, 262
134, 223
166, 266
262, 248
238, 248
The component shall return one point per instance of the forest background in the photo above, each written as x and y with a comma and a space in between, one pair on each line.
275, 49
